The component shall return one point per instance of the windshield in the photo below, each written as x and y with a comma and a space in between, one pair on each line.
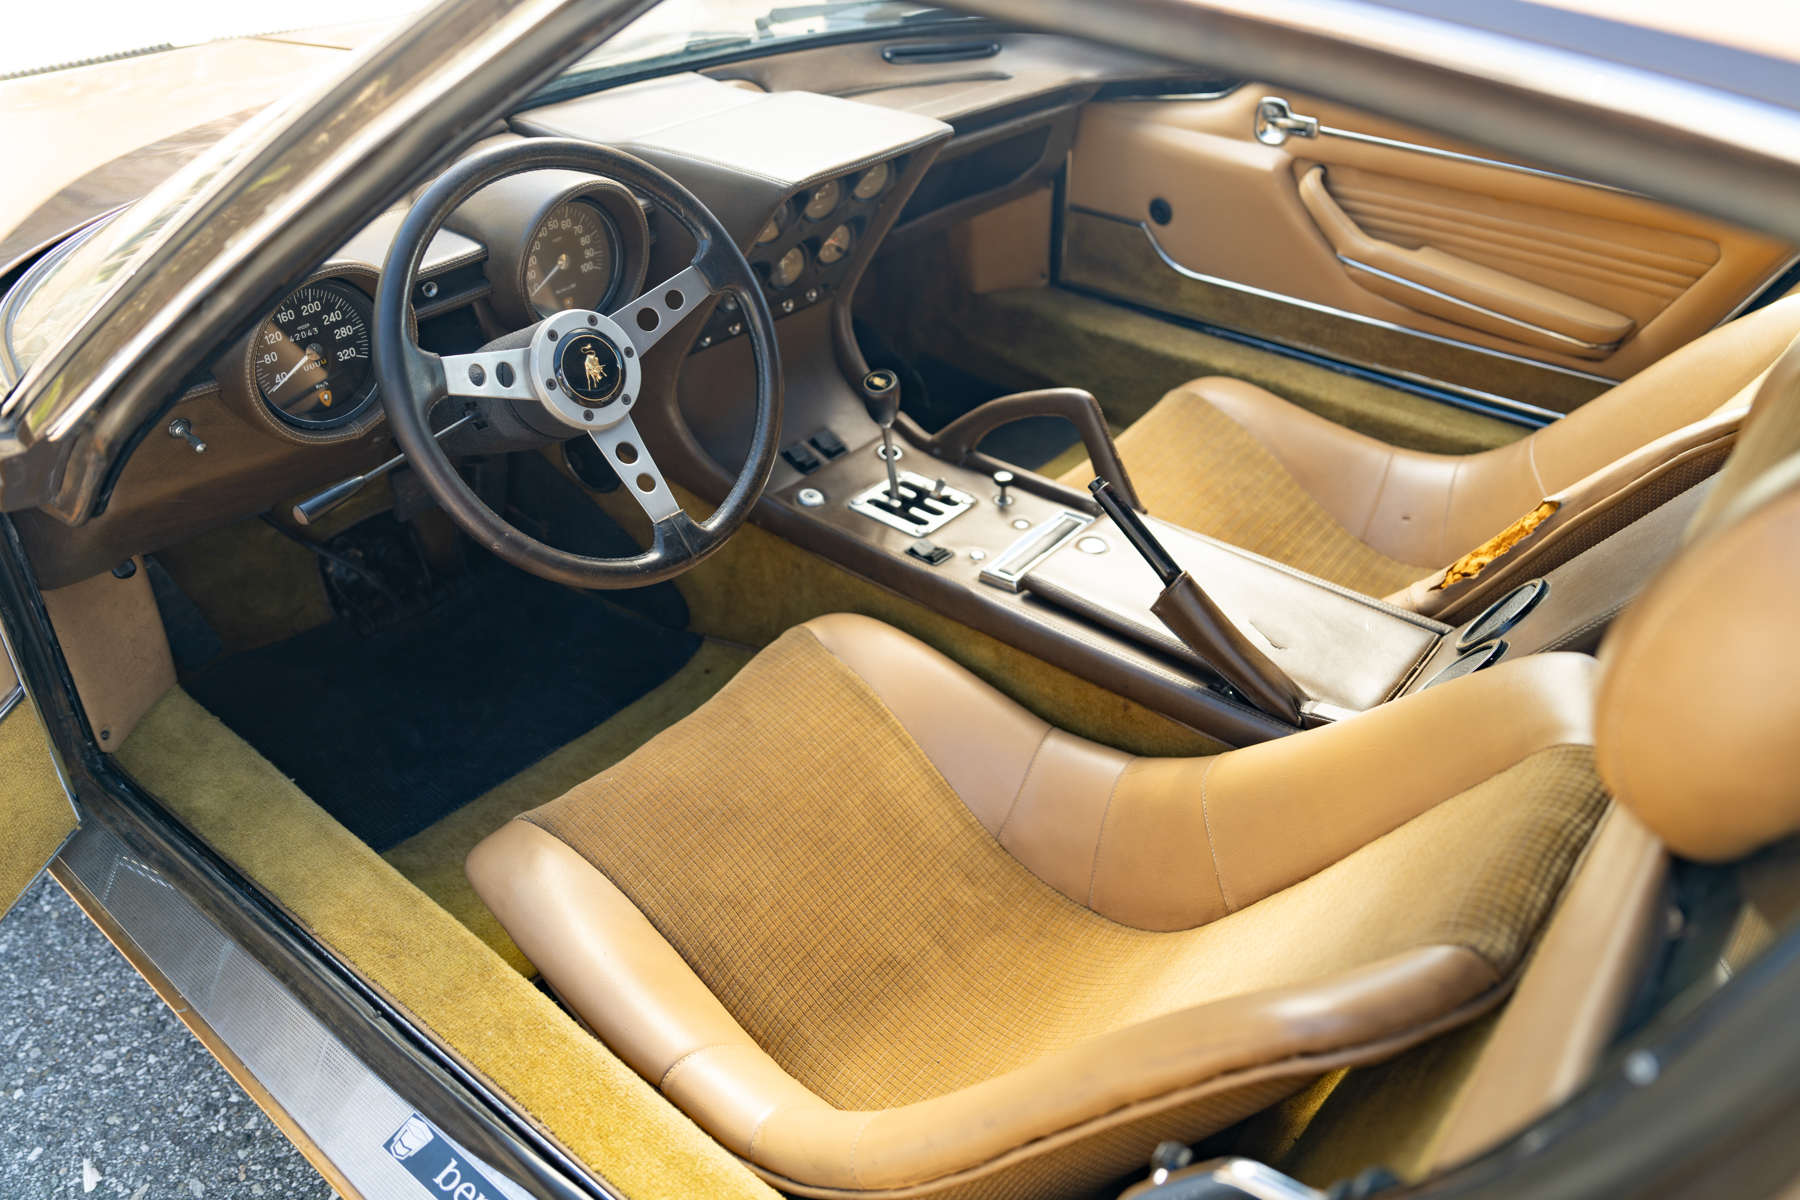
679, 31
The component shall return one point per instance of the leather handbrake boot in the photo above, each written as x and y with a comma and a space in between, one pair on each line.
1191, 615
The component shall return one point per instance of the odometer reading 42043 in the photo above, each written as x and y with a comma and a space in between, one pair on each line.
312, 355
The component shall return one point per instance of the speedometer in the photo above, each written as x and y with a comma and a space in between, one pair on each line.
311, 357
572, 261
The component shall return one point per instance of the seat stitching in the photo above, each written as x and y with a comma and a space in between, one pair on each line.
1023, 780
1105, 817
1368, 521
663, 1081
1211, 847
855, 1175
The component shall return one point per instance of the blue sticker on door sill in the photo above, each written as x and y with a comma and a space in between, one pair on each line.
440, 1164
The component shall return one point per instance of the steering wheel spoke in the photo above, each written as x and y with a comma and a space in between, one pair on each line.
489, 373
625, 450
661, 308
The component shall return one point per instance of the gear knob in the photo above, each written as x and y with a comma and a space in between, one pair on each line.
881, 396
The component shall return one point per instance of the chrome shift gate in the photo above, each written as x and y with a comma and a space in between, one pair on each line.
923, 507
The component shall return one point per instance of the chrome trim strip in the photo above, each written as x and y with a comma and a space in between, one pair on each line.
1519, 406
1486, 312
12, 701
1276, 121
1471, 159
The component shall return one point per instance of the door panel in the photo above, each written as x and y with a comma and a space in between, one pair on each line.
36, 814
1588, 283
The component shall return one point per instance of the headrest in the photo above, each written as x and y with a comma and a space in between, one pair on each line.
1697, 728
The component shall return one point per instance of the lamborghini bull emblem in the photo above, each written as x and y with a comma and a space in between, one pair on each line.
591, 370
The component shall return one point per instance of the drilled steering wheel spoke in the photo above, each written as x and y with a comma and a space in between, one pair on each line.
489, 373
661, 308
626, 451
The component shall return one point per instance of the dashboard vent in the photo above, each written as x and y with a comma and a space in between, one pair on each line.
939, 52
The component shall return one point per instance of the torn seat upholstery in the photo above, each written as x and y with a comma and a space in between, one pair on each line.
1232, 461
883, 932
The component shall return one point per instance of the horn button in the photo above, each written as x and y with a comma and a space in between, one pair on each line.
584, 369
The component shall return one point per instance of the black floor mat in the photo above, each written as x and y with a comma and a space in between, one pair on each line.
392, 731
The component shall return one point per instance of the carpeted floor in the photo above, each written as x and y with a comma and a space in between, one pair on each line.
433, 858
391, 732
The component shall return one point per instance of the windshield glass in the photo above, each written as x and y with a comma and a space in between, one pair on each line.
679, 31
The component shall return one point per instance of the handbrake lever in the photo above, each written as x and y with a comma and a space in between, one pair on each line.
1191, 615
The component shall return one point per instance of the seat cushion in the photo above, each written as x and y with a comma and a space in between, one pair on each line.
782, 913
1196, 467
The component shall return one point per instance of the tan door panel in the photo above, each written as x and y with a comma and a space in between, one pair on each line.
1410, 269
1576, 257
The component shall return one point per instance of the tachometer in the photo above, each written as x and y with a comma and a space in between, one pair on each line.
311, 357
573, 259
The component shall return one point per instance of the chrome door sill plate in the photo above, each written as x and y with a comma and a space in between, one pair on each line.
919, 512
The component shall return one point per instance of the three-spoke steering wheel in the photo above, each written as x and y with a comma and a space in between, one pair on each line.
583, 369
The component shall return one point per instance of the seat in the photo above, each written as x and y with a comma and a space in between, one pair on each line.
1232, 461
881, 931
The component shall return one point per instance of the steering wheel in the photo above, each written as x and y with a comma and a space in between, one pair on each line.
583, 369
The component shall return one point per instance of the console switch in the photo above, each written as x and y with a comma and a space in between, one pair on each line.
828, 444
928, 551
801, 458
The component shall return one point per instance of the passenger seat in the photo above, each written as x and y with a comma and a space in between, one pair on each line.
1232, 461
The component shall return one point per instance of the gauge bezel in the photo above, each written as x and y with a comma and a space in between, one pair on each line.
506, 215
239, 389
611, 294
366, 305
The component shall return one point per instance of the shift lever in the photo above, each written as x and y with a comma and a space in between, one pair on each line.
881, 396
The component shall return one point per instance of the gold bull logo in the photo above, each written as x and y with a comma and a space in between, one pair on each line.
596, 373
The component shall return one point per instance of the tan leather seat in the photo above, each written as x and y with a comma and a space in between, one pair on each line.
1227, 459
879, 930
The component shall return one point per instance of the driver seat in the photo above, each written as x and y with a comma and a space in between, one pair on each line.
880, 931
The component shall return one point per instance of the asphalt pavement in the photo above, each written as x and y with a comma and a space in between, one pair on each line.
104, 1091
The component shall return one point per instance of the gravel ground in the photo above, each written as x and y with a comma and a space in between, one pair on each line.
104, 1091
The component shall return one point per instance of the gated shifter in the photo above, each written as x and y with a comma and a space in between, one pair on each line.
881, 396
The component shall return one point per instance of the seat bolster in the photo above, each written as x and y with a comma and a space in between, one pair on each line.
1281, 811
980, 741
1188, 840
733, 1091
598, 951
1168, 1057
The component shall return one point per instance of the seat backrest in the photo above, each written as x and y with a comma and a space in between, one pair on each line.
1700, 689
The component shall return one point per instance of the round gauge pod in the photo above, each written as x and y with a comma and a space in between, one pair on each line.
786, 270
310, 358
837, 245
824, 200
872, 182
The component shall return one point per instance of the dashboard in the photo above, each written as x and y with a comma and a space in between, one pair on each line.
810, 185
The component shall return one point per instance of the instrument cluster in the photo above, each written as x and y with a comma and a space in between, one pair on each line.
803, 251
